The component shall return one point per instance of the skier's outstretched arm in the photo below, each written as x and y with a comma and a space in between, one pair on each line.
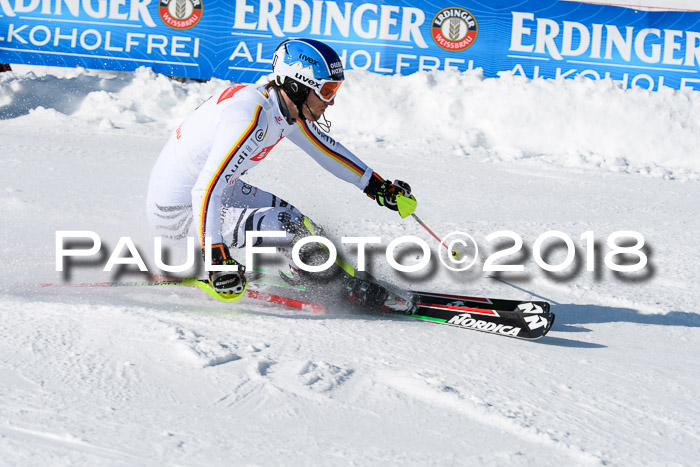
330, 154
342, 163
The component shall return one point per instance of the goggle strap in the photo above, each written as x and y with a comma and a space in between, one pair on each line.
290, 71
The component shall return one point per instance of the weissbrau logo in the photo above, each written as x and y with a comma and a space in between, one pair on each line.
454, 29
180, 14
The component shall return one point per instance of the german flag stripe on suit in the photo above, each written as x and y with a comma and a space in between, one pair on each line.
219, 171
339, 158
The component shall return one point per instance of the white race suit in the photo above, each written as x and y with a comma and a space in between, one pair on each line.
195, 187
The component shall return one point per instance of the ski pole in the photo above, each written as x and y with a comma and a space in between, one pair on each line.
453, 252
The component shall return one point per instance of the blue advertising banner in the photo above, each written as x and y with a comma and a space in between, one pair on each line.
235, 39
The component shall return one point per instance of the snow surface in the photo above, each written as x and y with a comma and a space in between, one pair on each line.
167, 376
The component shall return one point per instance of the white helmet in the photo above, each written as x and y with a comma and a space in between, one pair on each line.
300, 65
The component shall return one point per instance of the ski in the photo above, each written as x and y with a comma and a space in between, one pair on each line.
253, 292
518, 324
506, 317
524, 319
527, 306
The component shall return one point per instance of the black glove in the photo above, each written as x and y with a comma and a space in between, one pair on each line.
226, 283
384, 192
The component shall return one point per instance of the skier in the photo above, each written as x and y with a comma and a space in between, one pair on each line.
196, 188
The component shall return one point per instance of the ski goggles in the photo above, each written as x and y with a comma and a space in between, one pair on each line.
325, 89
328, 90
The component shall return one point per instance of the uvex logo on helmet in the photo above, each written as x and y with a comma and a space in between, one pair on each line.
306, 58
308, 81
